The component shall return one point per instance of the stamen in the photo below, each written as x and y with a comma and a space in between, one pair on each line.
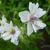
32, 19
12, 31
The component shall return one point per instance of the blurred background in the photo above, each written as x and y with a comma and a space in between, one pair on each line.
37, 41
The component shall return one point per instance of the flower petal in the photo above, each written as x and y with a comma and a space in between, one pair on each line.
35, 28
39, 13
7, 26
17, 31
39, 24
33, 7
24, 15
4, 20
14, 40
6, 36
2, 29
11, 23
29, 28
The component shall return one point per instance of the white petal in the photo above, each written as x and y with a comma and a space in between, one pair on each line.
35, 28
11, 23
17, 31
39, 13
2, 29
6, 36
7, 26
39, 24
14, 40
29, 28
4, 20
24, 15
37, 5
33, 7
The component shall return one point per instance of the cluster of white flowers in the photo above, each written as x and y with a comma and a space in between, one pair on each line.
31, 18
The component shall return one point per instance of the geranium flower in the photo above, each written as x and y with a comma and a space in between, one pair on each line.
31, 17
12, 33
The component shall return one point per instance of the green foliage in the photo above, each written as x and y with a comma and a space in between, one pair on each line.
11, 8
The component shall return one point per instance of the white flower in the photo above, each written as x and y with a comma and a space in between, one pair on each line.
31, 17
12, 33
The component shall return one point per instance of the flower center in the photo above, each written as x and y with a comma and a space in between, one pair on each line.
12, 31
32, 19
